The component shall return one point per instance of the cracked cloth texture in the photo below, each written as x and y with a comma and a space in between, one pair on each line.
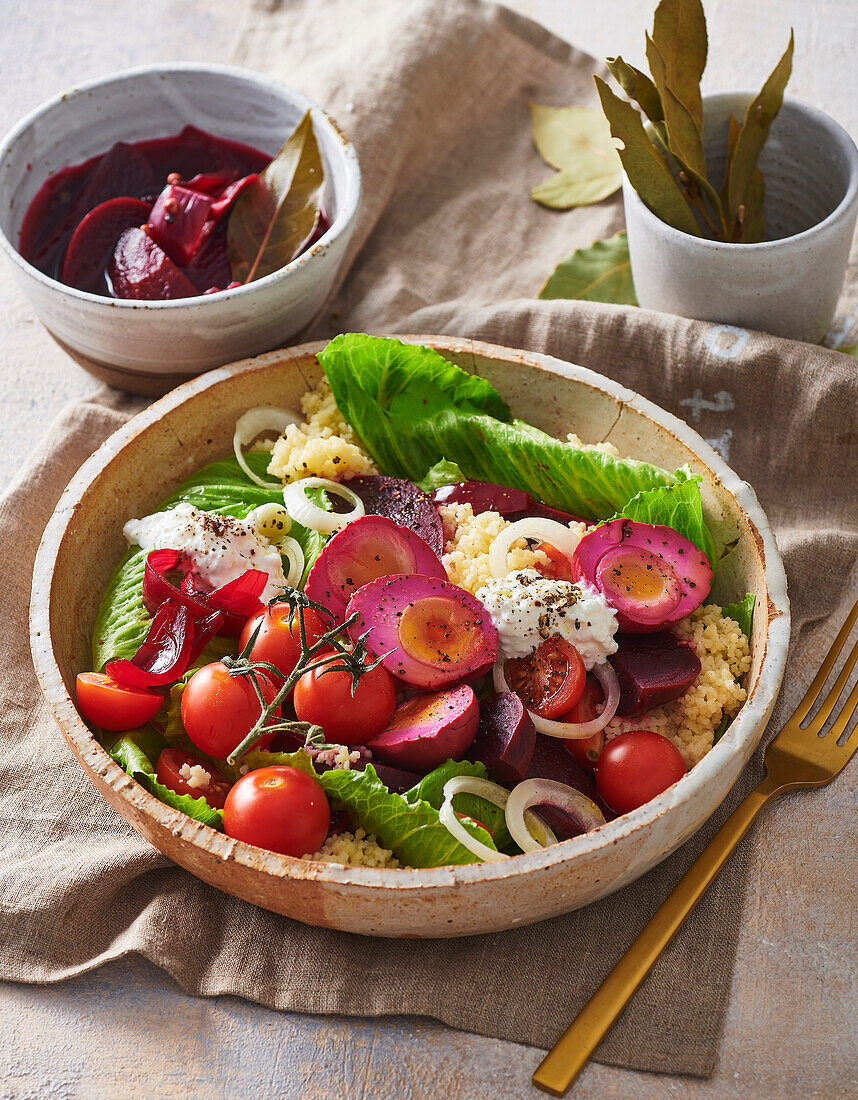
435, 96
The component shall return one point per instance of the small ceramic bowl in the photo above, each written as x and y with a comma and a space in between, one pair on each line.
787, 285
150, 455
148, 347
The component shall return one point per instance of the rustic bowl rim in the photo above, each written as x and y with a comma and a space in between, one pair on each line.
743, 735
341, 223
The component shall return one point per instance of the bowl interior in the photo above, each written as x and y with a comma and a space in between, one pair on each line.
157, 102
138, 467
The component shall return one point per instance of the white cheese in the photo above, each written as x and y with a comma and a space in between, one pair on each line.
527, 608
222, 548
196, 775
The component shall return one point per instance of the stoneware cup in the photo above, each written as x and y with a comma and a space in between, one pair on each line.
149, 347
787, 285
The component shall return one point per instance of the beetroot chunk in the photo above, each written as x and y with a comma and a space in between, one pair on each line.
429, 729
428, 632
505, 739
651, 575
367, 548
180, 222
140, 269
652, 669
483, 496
404, 503
552, 760
92, 243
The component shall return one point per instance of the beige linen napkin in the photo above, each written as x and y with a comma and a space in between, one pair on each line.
435, 97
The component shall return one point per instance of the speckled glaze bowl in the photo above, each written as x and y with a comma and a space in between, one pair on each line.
149, 347
148, 457
787, 285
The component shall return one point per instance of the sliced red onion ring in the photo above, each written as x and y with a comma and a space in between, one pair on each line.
204, 631
541, 792
238, 599
573, 730
158, 587
163, 656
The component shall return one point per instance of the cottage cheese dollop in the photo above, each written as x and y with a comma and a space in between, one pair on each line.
221, 547
527, 608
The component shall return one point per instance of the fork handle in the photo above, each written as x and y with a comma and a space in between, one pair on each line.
565, 1060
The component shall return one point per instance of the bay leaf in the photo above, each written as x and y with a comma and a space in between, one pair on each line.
577, 141
648, 171
273, 220
600, 273
753, 227
752, 136
732, 137
684, 133
679, 35
848, 349
637, 86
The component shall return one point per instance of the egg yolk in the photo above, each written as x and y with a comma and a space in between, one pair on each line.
632, 577
439, 632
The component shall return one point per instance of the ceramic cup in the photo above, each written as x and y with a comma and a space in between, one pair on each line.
787, 285
148, 347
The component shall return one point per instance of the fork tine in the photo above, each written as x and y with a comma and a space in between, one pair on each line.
836, 691
801, 711
842, 721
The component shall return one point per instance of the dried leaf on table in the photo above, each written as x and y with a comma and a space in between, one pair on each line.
577, 141
276, 216
750, 140
648, 171
600, 273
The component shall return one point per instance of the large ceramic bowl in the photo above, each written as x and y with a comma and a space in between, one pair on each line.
149, 347
147, 458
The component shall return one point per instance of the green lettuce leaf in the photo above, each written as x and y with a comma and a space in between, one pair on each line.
122, 621
411, 408
677, 506
442, 473
411, 830
431, 789
741, 612
137, 752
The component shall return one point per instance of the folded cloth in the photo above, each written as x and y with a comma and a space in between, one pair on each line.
435, 97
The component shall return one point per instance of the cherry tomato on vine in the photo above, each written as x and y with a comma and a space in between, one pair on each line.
279, 808
325, 698
586, 749
550, 680
635, 767
219, 710
277, 641
112, 706
169, 773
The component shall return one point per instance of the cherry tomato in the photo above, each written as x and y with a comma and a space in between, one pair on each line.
279, 808
635, 767
169, 773
277, 641
219, 710
559, 567
325, 697
550, 680
586, 749
112, 706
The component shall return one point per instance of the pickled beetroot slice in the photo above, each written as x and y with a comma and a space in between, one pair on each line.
551, 760
91, 247
141, 270
650, 574
505, 739
652, 669
180, 222
368, 548
429, 633
483, 496
404, 503
429, 729
209, 269
227, 198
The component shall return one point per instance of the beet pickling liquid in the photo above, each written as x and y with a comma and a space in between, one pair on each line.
143, 220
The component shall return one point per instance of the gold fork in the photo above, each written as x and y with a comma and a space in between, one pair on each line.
796, 758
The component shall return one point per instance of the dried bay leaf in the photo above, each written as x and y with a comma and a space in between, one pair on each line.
679, 35
600, 273
684, 134
577, 141
274, 219
648, 171
637, 86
